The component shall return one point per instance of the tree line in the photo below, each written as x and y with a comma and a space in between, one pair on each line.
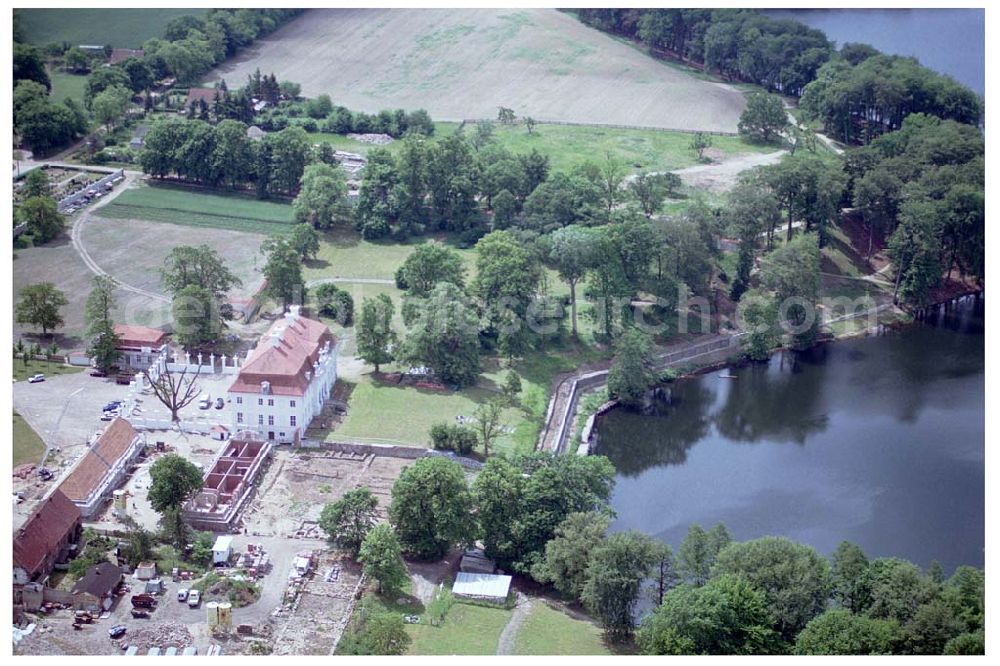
857, 91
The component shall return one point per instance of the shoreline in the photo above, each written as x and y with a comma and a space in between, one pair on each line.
586, 442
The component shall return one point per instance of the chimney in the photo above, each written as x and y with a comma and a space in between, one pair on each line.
276, 335
293, 312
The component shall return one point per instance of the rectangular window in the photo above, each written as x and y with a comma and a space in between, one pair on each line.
260, 401
291, 403
239, 417
239, 400
260, 419
291, 421
270, 402
270, 419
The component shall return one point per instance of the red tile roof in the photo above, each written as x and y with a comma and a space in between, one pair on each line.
44, 532
139, 336
195, 94
95, 464
119, 55
285, 365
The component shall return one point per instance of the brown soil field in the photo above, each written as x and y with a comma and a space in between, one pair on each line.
461, 64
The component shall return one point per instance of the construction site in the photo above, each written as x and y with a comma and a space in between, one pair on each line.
298, 484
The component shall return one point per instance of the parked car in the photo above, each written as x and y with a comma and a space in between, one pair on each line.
194, 598
34, 379
205, 402
117, 631
138, 613
219, 403
182, 594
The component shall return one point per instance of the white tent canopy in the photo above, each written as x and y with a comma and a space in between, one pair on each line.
481, 585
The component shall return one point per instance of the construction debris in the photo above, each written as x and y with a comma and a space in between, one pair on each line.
162, 635
377, 139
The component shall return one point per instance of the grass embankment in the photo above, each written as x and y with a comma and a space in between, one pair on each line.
27, 446
547, 631
191, 207
48, 368
466, 630
118, 26
67, 86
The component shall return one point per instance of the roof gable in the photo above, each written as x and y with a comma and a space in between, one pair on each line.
90, 470
44, 531
99, 580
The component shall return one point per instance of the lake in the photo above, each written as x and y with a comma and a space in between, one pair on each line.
950, 41
877, 440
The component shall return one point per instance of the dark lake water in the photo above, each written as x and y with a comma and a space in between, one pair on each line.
878, 440
951, 41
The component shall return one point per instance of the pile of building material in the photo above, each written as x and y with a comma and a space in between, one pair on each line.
352, 163
161, 634
377, 139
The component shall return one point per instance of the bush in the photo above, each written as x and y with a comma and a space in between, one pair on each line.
438, 608
448, 437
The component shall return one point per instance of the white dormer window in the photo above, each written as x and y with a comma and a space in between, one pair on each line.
265, 387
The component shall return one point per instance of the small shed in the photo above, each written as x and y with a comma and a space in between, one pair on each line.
474, 560
488, 587
220, 432
222, 550
95, 591
145, 570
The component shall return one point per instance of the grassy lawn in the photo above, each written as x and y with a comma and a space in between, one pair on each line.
466, 630
180, 205
27, 447
47, 368
571, 145
549, 631
344, 254
118, 26
651, 150
67, 86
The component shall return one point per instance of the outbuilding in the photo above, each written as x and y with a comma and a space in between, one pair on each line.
96, 590
222, 550
486, 587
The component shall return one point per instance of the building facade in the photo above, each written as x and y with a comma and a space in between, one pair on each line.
138, 346
285, 380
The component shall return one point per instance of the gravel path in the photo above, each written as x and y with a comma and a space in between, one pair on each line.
508, 637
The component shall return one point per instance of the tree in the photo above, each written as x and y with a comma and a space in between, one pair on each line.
335, 303
567, 555
375, 632
489, 423
174, 481
283, 271
42, 217
760, 317
650, 189
851, 577
795, 580
915, 251
375, 335
201, 266
29, 65
140, 542
696, 556
506, 115
445, 336
511, 387
665, 576
305, 241
764, 119
430, 507
196, 317
321, 197
700, 143
611, 175
100, 326
931, 627
453, 437
530, 123
428, 265
505, 207
632, 372
898, 589
507, 277
839, 631
572, 253
727, 616
614, 579
968, 643
348, 520
380, 555
111, 104
793, 273
174, 391
35, 184
39, 306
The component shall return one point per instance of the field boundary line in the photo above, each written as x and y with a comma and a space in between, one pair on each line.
571, 123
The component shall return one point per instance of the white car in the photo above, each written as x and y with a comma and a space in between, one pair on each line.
34, 379
182, 594
194, 598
